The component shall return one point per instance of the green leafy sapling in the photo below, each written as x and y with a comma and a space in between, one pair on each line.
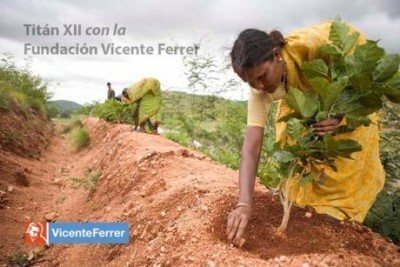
350, 85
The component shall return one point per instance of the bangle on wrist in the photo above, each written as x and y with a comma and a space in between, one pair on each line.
242, 204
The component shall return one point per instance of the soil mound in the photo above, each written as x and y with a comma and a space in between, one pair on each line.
176, 202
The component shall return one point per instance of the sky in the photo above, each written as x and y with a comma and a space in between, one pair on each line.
149, 23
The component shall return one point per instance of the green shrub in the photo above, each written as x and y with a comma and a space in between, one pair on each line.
20, 85
13, 139
227, 158
72, 125
179, 138
114, 111
19, 258
80, 138
89, 181
384, 215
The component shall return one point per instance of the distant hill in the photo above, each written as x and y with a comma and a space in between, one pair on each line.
185, 100
64, 105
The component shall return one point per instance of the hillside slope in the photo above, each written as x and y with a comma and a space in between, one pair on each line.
176, 202
64, 105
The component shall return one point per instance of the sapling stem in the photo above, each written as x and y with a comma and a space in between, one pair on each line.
286, 202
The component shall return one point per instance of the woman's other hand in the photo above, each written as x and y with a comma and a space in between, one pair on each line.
328, 126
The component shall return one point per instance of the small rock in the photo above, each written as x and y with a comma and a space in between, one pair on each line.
153, 172
282, 258
211, 264
39, 250
163, 213
143, 233
21, 178
162, 249
2, 193
10, 188
308, 214
194, 240
204, 207
50, 216
31, 255
242, 242
21, 208
179, 209
305, 264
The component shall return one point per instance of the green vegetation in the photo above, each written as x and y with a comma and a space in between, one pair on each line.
352, 84
19, 259
19, 87
384, 216
80, 138
111, 110
13, 139
62, 108
89, 181
212, 130
216, 126
71, 125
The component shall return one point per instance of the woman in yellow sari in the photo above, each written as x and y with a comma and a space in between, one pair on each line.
270, 64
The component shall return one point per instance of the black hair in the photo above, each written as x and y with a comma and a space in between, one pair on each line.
253, 47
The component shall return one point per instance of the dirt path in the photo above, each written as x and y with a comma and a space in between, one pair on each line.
31, 195
176, 202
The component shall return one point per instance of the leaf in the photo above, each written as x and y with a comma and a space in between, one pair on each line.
328, 91
340, 148
340, 36
338, 33
322, 115
284, 156
330, 50
371, 103
315, 68
387, 67
393, 89
367, 56
350, 41
306, 179
319, 84
390, 88
289, 116
348, 146
329, 143
304, 103
356, 121
294, 128
361, 82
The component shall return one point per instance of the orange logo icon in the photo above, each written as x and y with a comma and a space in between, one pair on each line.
36, 233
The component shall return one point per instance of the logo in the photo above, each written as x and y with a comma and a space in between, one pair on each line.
36, 233
77, 233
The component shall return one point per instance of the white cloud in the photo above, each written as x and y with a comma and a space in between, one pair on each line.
83, 78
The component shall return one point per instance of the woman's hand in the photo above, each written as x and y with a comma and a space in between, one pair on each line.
237, 222
328, 126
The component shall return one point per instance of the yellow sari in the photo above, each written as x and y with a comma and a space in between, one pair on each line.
351, 191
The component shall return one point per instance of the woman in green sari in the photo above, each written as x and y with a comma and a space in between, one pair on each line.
145, 95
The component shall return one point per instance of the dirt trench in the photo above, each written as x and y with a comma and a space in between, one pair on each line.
176, 202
